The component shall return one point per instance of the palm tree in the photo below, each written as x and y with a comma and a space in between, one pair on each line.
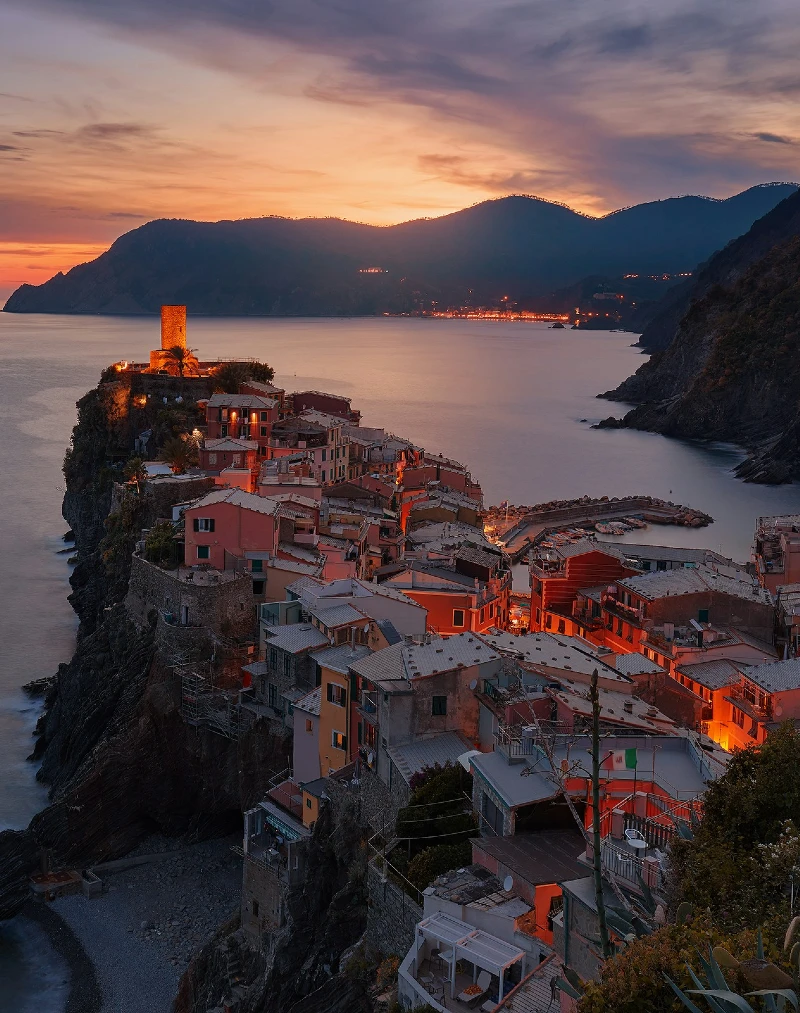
180, 360
136, 473
179, 453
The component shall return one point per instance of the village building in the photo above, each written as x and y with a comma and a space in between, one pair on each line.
242, 417
416, 705
455, 597
634, 606
557, 575
776, 551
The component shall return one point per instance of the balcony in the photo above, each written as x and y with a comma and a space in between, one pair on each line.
548, 569
628, 613
368, 705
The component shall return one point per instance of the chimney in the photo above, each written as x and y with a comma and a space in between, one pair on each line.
173, 327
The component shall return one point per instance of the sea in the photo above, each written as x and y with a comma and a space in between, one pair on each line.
516, 402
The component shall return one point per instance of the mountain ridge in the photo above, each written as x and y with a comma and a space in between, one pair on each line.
518, 246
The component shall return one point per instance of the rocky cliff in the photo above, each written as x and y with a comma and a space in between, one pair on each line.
732, 371
724, 268
303, 970
114, 708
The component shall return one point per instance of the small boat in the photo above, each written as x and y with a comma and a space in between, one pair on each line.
557, 326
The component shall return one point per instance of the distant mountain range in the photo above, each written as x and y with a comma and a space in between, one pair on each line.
520, 247
727, 359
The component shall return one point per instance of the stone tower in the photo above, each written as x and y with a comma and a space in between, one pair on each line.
173, 326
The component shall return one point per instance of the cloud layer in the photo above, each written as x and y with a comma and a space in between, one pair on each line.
382, 109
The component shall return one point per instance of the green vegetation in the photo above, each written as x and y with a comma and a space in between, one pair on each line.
180, 453
179, 360
160, 546
135, 472
436, 826
743, 854
230, 374
432, 862
739, 871
634, 981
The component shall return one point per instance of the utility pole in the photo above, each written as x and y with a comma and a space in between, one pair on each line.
605, 942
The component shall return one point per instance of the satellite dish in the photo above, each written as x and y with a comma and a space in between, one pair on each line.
473, 684
508, 883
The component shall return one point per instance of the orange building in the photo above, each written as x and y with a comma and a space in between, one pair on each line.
457, 601
558, 573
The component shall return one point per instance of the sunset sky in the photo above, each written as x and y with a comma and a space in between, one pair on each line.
113, 112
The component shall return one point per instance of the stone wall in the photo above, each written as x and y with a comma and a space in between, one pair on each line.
392, 916
226, 609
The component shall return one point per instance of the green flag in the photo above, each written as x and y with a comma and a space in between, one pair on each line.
631, 761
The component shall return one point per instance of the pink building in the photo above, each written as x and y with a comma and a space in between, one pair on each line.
228, 523
216, 455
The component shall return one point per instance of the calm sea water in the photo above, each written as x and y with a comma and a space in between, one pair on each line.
513, 401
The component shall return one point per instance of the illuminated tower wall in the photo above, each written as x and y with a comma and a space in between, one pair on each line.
173, 326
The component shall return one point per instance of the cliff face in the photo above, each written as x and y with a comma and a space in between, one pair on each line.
120, 761
732, 371
326, 915
724, 269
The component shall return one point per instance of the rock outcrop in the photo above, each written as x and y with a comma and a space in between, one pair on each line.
731, 371
301, 969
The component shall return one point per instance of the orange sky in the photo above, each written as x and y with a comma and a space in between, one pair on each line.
115, 113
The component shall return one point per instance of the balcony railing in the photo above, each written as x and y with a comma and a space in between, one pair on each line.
628, 866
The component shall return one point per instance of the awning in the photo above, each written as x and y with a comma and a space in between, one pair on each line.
481, 948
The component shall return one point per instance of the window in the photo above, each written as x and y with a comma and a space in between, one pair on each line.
548, 621
258, 586
491, 612
287, 664
538, 615
483, 613
264, 431
438, 706
561, 626
537, 586
337, 694
309, 725
273, 658
223, 430
203, 524
273, 696
308, 803
212, 458
702, 615
265, 417
223, 414
661, 564
338, 740
255, 909
323, 474
257, 565
738, 717
203, 551
458, 617
324, 455
237, 459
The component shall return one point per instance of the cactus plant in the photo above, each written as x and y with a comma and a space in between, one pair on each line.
770, 984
